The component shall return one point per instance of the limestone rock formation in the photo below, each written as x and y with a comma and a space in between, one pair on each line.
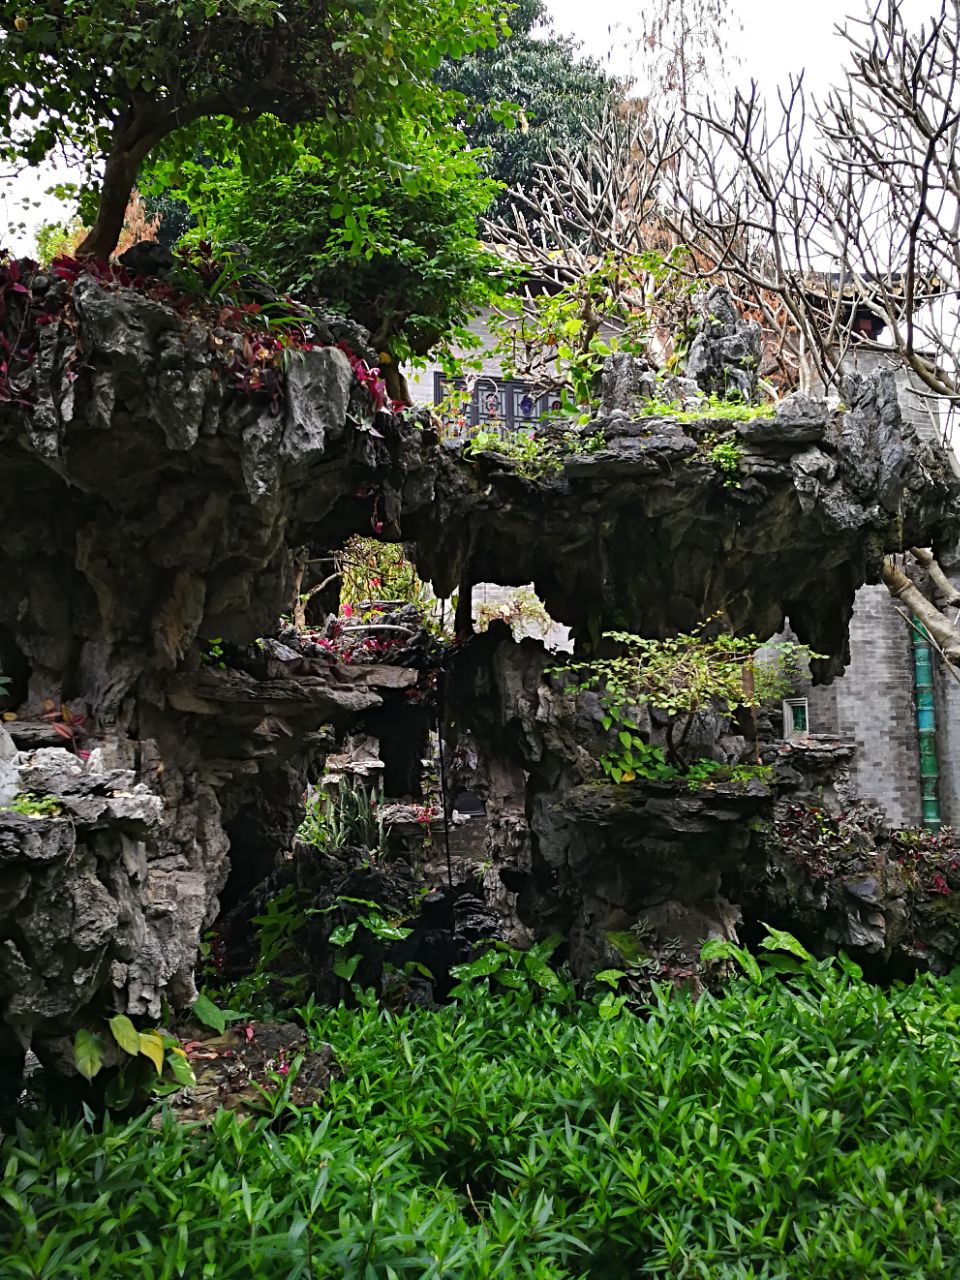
648, 534
724, 357
162, 483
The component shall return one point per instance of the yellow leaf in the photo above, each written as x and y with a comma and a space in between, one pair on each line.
9, 715
628, 776
151, 1046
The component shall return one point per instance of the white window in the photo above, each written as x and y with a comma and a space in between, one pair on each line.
796, 718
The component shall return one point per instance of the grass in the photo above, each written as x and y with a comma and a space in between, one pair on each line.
795, 1126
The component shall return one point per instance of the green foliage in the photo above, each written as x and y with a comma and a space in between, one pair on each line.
526, 972
155, 1063
277, 982
802, 1125
530, 94
226, 78
371, 919
372, 571
680, 675
522, 611
213, 653
560, 338
725, 455
57, 238
711, 408
390, 238
211, 1015
536, 456
350, 818
33, 806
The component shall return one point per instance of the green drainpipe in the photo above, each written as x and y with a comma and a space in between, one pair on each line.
926, 727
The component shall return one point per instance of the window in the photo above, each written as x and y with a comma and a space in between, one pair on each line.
496, 405
796, 718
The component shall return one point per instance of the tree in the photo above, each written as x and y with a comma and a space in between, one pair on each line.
395, 245
680, 43
117, 80
681, 676
845, 215
590, 238
557, 93
847, 211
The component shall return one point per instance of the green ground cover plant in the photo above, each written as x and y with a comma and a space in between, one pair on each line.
798, 1124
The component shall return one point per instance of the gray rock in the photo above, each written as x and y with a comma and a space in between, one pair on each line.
724, 357
319, 384
148, 258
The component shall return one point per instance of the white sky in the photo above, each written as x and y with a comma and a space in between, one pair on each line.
777, 38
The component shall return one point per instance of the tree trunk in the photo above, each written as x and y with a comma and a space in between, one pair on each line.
396, 383
945, 588
943, 632
119, 177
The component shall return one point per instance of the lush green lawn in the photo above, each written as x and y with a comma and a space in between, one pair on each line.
808, 1132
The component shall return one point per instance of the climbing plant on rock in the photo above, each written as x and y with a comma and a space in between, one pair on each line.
117, 80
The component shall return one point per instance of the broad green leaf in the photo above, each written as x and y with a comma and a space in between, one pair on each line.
780, 940
125, 1034
482, 967
87, 1053
180, 1067
207, 1012
610, 1005
346, 966
610, 976
343, 933
383, 930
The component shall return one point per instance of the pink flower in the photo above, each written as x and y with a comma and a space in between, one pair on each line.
347, 610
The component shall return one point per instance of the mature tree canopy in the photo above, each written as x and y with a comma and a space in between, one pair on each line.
558, 92
115, 79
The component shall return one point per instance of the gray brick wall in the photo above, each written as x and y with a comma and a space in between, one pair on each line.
875, 708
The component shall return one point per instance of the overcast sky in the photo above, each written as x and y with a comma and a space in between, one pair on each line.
776, 39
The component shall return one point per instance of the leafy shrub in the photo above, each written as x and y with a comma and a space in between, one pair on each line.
795, 1125
712, 408
350, 817
680, 675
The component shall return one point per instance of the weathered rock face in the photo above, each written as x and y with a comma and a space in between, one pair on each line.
724, 357
647, 534
652, 867
585, 857
152, 510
